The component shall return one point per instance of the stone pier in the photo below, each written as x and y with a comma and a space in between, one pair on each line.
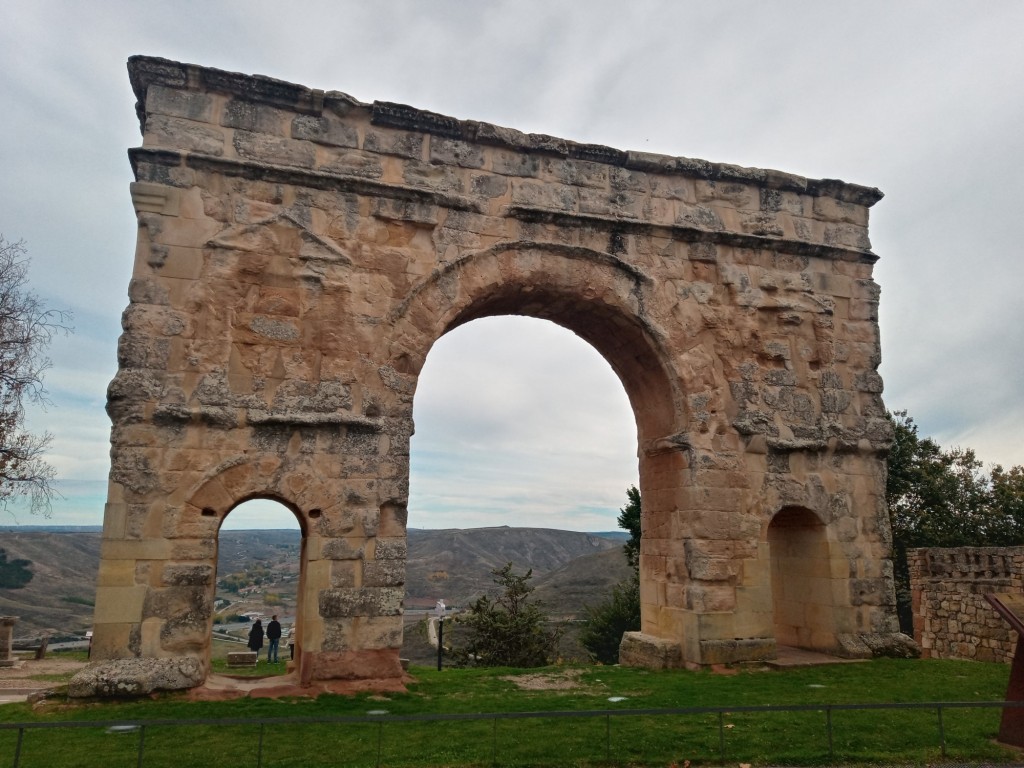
7, 657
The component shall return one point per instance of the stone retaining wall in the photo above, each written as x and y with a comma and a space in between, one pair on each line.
952, 619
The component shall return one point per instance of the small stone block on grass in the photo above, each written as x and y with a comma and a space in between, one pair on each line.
242, 659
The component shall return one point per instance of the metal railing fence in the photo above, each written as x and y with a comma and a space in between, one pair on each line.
380, 721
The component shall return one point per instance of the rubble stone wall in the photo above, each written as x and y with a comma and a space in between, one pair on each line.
952, 619
300, 251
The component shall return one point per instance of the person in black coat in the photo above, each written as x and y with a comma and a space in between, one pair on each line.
273, 639
256, 636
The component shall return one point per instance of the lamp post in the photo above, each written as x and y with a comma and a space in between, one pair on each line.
439, 612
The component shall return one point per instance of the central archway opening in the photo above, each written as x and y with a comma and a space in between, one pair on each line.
260, 547
525, 446
600, 298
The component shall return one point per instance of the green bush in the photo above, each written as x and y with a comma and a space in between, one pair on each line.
509, 630
606, 623
14, 574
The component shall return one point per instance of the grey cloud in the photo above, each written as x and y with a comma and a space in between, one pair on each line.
918, 98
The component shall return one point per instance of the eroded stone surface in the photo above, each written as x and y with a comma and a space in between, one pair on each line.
893, 645
136, 677
299, 253
639, 650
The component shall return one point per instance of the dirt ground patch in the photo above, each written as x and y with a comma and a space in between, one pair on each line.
21, 677
547, 681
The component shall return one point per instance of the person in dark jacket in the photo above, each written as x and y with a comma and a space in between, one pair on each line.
273, 639
256, 636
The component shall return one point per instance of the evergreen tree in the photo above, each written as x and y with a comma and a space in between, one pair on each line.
629, 520
620, 613
607, 622
510, 630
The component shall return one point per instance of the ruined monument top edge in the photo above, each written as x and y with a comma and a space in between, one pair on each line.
149, 70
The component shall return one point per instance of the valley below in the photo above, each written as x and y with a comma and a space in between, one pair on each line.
258, 574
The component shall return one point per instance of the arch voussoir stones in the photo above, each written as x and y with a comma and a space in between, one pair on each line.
300, 252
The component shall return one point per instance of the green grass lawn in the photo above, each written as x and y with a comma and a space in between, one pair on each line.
219, 661
781, 738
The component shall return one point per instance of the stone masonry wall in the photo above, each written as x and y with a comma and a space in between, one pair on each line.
299, 252
952, 619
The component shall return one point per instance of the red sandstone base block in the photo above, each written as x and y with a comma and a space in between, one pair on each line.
383, 664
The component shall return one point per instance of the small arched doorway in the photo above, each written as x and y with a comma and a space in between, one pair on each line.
259, 576
803, 600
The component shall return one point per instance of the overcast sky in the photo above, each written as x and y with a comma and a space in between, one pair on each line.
518, 421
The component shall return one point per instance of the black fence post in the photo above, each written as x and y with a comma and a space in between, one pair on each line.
721, 737
608, 738
142, 744
828, 720
942, 731
17, 747
440, 640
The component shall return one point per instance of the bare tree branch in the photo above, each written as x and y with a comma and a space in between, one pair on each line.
26, 329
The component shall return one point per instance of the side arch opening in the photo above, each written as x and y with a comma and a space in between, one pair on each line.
260, 570
803, 590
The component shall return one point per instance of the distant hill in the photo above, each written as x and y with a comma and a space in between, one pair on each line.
622, 536
570, 568
583, 581
456, 564
275, 548
59, 596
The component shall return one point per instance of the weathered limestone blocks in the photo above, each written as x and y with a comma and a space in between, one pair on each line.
652, 652
299, 252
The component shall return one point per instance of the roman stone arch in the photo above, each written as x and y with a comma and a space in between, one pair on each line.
300, 251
